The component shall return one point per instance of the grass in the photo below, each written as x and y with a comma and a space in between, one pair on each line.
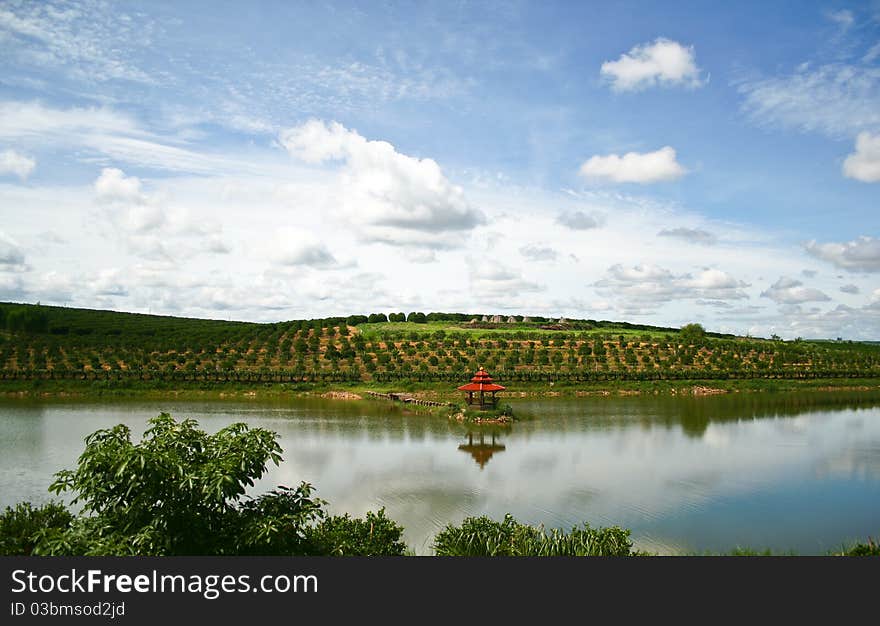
439, 391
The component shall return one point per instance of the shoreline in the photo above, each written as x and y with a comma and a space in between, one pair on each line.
84, 390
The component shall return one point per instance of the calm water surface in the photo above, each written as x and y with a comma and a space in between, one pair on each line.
792, 471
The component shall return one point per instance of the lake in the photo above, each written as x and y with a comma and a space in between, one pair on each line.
787, 471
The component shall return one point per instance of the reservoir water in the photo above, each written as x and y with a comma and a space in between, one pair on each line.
792, 472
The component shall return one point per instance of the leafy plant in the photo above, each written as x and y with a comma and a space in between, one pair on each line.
181, 491
482, 536
343, 535
863, 549
22, 526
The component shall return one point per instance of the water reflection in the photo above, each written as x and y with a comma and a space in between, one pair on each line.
786, 471
481, 450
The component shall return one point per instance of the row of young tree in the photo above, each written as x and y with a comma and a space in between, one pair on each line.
185, 349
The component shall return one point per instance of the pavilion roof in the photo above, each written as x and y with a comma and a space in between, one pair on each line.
481, 382
481, 387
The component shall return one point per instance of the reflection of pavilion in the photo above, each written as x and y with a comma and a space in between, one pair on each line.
481, 451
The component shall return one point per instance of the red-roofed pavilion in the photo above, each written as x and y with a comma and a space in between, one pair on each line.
481, 383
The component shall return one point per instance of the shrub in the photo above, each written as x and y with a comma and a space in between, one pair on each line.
22, 527
863, 549
181, 491
345, 536
482, 536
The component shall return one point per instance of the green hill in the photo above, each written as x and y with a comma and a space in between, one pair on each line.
46, 342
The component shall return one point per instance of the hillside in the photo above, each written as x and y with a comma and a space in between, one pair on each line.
45, 342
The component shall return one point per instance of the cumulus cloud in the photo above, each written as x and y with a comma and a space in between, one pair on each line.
663, 62
859, 255
578, 220
497, 280
538, 253
720, 304
691, 235
850, 288
53, 286
303, 248
792, 291
391, 194
864, 163
634, 167
108, 282
149, 225
11, 254
114, 186
11, 162
642, 288
12, 288
216, 245
131, 209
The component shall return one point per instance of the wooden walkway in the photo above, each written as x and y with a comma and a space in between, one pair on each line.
402, 397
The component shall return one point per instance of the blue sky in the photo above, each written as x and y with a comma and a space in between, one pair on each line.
653, 162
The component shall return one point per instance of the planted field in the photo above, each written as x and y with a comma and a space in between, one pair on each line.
42, 342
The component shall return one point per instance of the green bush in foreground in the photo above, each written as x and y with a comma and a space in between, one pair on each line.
181, 491
862, 549
22, 526
482, 536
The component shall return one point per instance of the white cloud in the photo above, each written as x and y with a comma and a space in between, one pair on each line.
90, 42
497, 280
97, 133
11, 254
108, 282
714, 280
850, 288
23, 120
642, 288
12, 288
634, 167
663, 62
864, 163
149, 225
394, 197
835, 99
131, 210
859, 255
53, 286
844, 18
11, 162
579, 220
215, 245
538, 253
114, 186
792, 291
691, 235
303, 248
